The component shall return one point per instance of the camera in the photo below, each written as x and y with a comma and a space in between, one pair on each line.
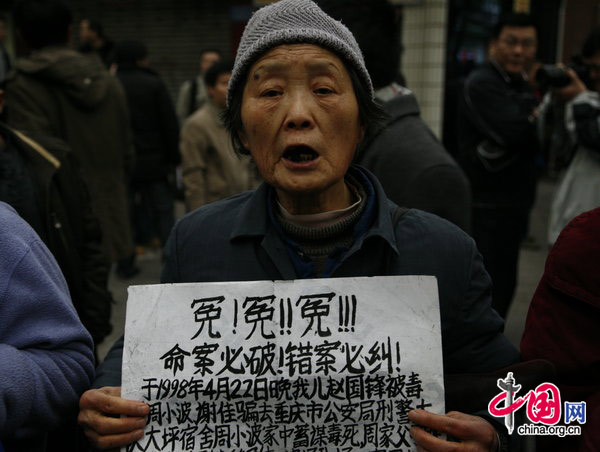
550, 76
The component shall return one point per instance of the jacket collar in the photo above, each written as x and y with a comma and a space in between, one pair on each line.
508, 78
401, 105
253, 219
382, 223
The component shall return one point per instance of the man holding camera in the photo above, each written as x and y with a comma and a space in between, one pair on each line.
569, 122
497, 145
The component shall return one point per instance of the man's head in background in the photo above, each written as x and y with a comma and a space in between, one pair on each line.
514, 43
375, 27
131, 53
208, 57
216, 80
91, 33
42, 23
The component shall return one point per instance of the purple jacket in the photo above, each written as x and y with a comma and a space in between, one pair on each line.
46, 358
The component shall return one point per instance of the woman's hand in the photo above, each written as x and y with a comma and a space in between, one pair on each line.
474, 433
100, 412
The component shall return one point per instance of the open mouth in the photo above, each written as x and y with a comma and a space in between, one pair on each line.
300, 154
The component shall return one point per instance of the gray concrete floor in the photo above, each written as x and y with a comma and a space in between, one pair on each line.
531, 262
531, 267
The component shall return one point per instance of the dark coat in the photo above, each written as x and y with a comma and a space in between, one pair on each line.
413, 166
41, 181
562, 324
498, 107
240, 243
61, 93
153, 122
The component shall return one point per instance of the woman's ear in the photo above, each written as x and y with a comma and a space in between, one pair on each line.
243, 138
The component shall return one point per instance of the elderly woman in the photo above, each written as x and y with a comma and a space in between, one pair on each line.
300, 101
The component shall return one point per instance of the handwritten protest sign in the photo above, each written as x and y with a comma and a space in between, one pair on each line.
326, 365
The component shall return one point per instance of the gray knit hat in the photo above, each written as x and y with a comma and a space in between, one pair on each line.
294, 22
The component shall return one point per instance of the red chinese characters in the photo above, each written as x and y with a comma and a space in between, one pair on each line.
543, 404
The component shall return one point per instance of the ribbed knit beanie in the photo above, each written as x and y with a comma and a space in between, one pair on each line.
295, 22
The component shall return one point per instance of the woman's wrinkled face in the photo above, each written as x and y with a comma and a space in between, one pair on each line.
301, 120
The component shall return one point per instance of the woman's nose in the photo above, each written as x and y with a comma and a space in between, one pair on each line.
298, 124
299, 114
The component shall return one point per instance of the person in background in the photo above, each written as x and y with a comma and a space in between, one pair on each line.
562, 326
156, 140
93, 40
409, 161
46, 354
497, 148
300, 101
5, 63
211, 168
569, 126
40, 179
61, 93
192, 93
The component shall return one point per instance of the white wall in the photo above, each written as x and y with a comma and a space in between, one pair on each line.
424, 58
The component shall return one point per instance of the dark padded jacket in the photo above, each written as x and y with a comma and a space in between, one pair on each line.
41, 181
498, 107
235, 240
61, 93
413, 166
153, 123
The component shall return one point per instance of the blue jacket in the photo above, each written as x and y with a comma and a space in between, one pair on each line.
46, 358
236, 240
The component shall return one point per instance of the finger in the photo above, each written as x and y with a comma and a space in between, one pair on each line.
103, 442
111, 390
459, 416
455, 424
476, 428
105, 425
439, 422
426, 441
109, 401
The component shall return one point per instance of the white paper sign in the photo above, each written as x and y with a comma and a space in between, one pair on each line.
310, 365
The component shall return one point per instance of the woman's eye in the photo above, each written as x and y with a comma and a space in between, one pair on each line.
271, 93
323, 91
